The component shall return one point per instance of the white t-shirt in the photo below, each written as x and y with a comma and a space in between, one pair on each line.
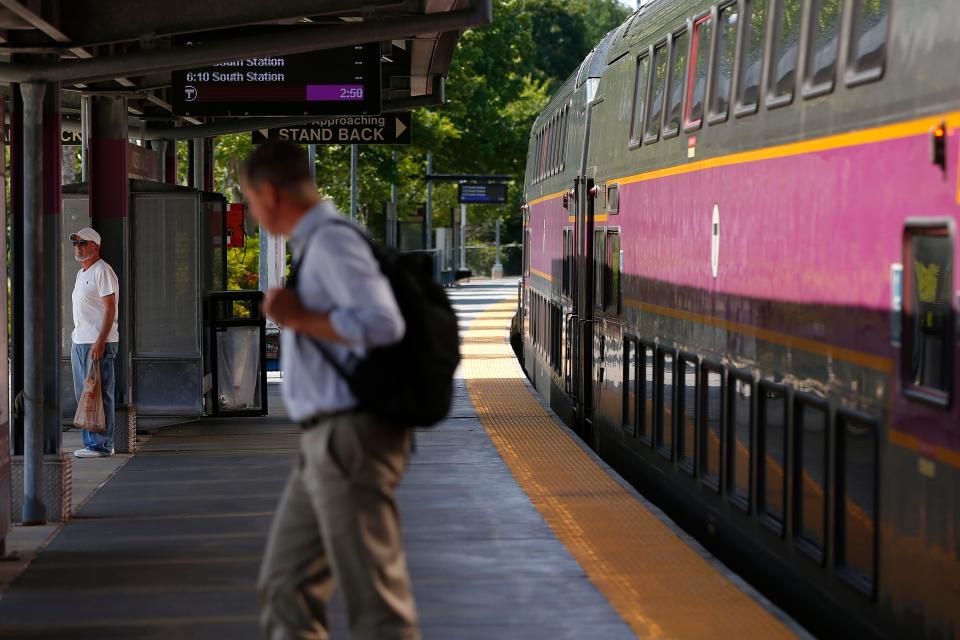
88, 307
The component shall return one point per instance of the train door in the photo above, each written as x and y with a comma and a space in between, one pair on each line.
586, 349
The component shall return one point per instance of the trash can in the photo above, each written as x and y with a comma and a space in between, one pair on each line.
237, 360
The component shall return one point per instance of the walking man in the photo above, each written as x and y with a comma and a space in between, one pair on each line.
337, 522
95, 333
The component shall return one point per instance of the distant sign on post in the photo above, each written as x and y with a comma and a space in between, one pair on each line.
391, 128
342, 81
482, 193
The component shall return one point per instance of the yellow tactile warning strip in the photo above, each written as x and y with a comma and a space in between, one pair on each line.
660, 585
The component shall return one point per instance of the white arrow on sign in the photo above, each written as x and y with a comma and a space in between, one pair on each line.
400, 127
265, 133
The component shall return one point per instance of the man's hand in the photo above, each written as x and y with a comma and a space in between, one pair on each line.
284, 306
96, 351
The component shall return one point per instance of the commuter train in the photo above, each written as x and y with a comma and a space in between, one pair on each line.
741, 281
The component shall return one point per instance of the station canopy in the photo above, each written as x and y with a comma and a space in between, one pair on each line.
143, 48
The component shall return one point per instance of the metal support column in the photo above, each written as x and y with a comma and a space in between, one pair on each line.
109, 206
353, 182
428, 214
497, 265
197, 168
84, 137
169, 159
34, 509
463, 237
312, 160
16, 267
391, 230
209, 178
51, 157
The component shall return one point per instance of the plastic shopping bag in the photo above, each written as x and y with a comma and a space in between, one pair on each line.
90, 408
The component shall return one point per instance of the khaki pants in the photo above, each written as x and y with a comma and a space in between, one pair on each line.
337, 523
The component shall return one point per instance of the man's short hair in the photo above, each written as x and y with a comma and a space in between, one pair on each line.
280, 163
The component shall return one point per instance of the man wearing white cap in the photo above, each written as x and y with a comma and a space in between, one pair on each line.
95, 333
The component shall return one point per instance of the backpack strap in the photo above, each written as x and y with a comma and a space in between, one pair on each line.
294, 277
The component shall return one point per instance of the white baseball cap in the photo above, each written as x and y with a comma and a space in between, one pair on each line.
86, 234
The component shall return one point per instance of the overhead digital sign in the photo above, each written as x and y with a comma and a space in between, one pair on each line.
342, 81
495, 193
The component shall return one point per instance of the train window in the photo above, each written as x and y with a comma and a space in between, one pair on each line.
741, 443
613, 199
810, 479
711, 416
687, 412
611, 293
928, 311
868, 40
786, 42
822, 46
857, 475
526, 253
771, 454
664, 437
697, 82
676, 86
729, 20
647, 390
640, 99
657, 94
631, 375
563, 138
751, 56
567, 258
599, 251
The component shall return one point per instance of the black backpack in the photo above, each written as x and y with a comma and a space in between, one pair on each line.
409, 383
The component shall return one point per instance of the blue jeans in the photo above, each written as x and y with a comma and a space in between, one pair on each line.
82, 363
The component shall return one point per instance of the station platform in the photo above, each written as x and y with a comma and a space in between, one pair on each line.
513, 529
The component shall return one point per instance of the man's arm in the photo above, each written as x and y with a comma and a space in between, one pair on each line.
110, 302
284, 306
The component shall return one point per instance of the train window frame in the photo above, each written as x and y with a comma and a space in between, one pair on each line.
770, 520
714, 482
940, 227
810, 88
563, 138
566, 280
689, 125
743, 108
613, 198
648, 137
599, 266
774, 100
612, 295
802, 542
637, 128
854, 74
714, 115
668, 130
867, 585
667, 452
688, 464
744, 502
646, 424
631, 371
